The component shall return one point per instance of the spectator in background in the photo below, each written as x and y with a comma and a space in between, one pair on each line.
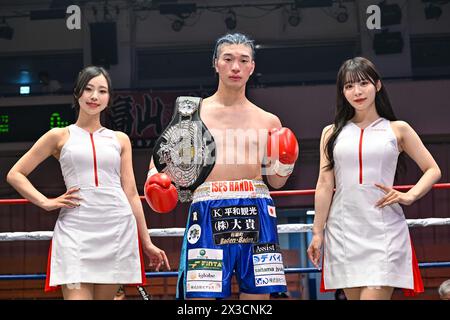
48, 85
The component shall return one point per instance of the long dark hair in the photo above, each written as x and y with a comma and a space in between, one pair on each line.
355, 70
84, 76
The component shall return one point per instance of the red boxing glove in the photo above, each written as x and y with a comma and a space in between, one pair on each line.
160, 193
287, 154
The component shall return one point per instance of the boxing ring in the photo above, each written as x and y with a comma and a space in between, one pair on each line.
179, 232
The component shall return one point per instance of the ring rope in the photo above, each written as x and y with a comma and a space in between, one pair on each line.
163, 274
272, 193
179, 232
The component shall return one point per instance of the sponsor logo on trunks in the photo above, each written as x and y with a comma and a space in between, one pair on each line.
265, 248
194, 216
205, 254
273, 280
194, 233
266, 258
272, 211
265, 269
236, 224
269, 264
197, 264
236, 237
238, 211
206, 275
232, 186
203, 286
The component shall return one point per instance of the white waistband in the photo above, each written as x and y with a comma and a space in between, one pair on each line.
216, 190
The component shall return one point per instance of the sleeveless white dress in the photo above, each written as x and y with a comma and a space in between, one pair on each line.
96, 242
365, 245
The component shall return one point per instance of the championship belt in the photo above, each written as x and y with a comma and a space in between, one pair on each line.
186, 150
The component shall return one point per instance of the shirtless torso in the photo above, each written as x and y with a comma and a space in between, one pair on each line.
240, 133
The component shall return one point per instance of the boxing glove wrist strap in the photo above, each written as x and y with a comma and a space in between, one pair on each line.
151, 172
283, 170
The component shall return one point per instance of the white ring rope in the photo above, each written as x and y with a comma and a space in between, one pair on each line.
179, 232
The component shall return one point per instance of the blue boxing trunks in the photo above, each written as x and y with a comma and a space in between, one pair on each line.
231, 228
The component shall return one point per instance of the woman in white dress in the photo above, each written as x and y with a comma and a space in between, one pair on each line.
101, 227
362, 228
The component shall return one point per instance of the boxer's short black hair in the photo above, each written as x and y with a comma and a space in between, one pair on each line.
233, 38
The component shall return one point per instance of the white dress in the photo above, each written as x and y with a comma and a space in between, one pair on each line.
365, 245
96, 242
